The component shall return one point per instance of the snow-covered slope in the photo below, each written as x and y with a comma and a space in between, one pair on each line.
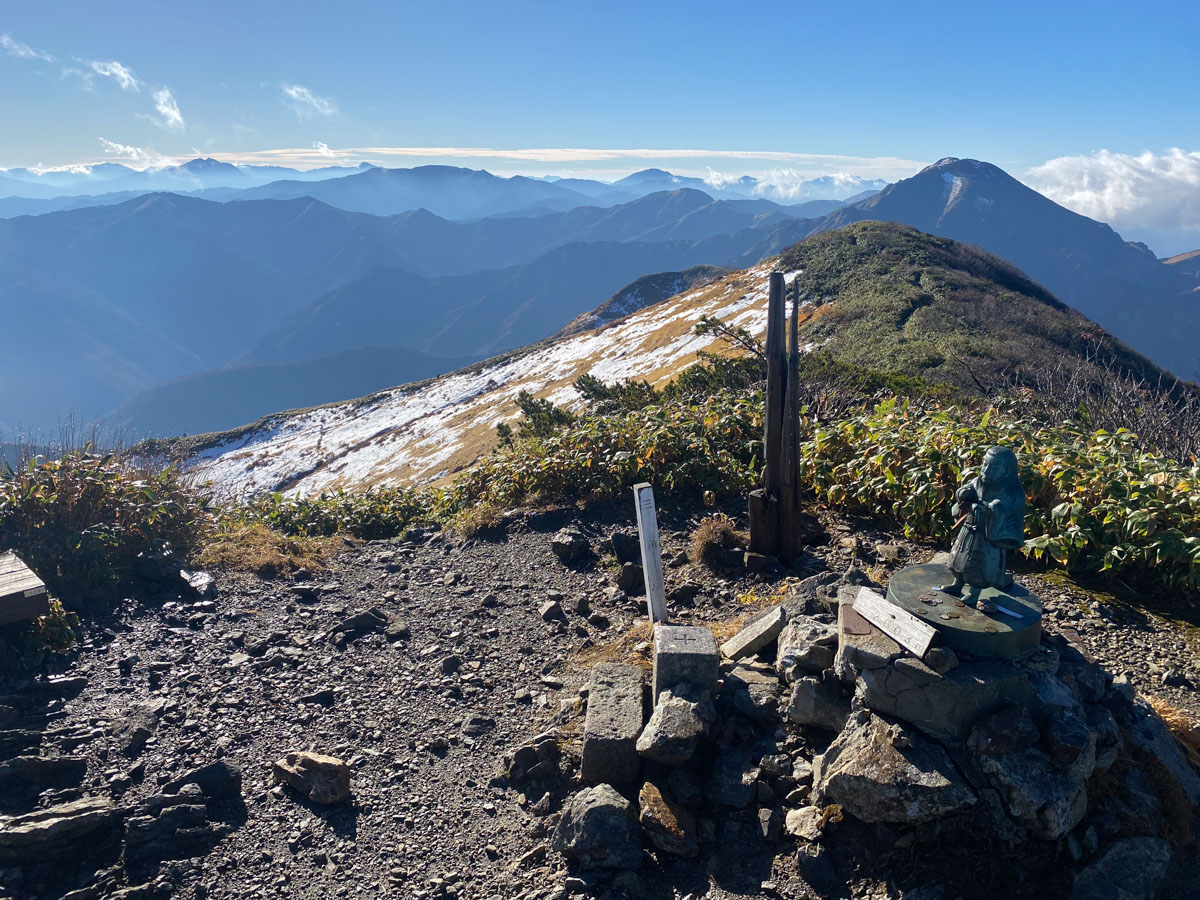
427, 432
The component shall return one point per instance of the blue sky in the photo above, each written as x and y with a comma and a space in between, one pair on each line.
1014, 83
877, 89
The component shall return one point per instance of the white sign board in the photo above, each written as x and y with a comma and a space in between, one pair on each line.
899, 624
647, 519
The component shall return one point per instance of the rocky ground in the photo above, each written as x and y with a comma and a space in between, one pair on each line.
423, 665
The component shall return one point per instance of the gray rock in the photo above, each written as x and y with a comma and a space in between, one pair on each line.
600, 829
944, 706
58, 831
371, 621
631, 579
614, 721
680, 719
756, 634
1131, 869
685, 787
1044, 796
818, 702
41, 771
888, 773
754, 691
220, 780
733, 780
625, 546
550, 611
138, 727
570, 545
805, 645
668, 824
1006, 730
685, 654
805, 823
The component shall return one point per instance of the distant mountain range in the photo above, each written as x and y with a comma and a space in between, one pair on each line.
226, 298
447, 191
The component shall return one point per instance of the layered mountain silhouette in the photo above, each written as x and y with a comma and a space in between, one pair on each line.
1121, 286
113, 300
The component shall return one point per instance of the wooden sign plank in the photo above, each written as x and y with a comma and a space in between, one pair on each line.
647, 519
22, 594
899, 624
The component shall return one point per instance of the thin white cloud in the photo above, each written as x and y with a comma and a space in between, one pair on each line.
322, 148
1159, 191
168, 110
119, 73
305, 103
133, 156
22, 51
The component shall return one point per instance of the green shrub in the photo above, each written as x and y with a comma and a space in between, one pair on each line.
81, 521
372, 515
1098, 501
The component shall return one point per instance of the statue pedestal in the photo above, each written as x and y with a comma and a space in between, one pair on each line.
1013, 629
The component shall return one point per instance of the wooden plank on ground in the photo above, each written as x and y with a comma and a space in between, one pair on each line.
899, 624
22, 594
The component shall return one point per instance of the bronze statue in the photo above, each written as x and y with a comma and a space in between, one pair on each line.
991, 510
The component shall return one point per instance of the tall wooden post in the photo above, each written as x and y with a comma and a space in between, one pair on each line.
777, 525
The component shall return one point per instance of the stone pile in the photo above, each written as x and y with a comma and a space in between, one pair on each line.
810, 723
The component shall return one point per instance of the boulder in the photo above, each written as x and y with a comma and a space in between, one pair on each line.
136, 729
754, 692
1044, 796
625, 546
220, 780
41, 771
322, 779
170, 825
600, 829
882, 772
734, 779
58, 831
805, 646
631, 579
680, 718
944, 706
1006, 730
614, 721
359, 624
570, 545
805, 823
669, 825
1130, 869
861, 646
818, 703
756, 634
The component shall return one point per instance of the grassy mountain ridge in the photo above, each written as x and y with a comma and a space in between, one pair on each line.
900, 301
887, 298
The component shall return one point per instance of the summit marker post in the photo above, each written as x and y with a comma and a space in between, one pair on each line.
652, 570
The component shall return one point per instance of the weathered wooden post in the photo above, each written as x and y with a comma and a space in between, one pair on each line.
777, 525
652, 571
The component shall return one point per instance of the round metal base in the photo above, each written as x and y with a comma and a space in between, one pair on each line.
1011, 630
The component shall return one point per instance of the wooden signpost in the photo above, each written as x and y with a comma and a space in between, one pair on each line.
778, 527
899, 624
647, 519
22, 594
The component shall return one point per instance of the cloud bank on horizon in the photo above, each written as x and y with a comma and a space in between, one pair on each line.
1144, 197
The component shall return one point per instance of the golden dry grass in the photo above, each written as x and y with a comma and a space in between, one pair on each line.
631, 647
262, 551
714, 532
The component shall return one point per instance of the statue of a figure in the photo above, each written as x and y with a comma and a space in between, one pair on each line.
992, 511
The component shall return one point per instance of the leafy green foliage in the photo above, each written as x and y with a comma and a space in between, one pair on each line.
80, 521
621, 396
374, 514
1098, 501
540, 417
